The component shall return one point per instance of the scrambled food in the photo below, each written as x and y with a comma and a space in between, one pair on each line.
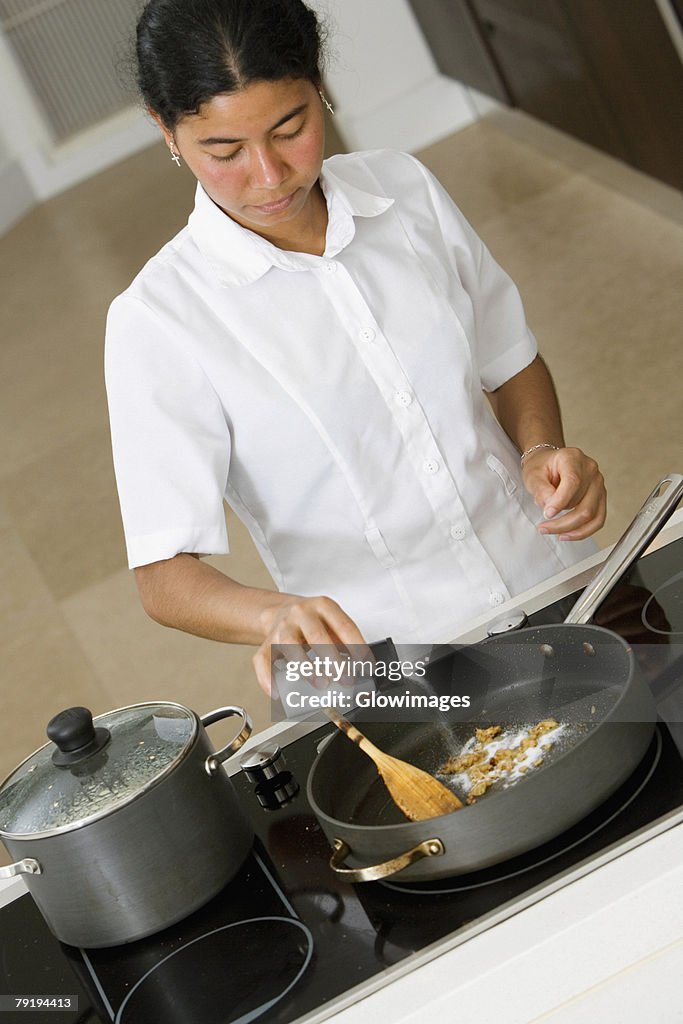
492, 755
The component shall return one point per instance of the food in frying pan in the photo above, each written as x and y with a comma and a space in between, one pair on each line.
492, 755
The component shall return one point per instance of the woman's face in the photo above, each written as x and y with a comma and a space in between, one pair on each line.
258, 153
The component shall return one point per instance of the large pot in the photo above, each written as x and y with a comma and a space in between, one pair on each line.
124, 826
583, 675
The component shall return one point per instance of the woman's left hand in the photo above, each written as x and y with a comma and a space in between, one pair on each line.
566, 478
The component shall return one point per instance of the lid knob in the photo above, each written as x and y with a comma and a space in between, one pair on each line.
75, 736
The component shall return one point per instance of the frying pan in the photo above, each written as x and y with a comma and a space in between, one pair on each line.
585, 676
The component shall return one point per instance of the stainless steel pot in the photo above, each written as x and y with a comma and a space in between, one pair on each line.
127, 824
583, 675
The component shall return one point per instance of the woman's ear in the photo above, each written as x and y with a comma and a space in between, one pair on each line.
168, 136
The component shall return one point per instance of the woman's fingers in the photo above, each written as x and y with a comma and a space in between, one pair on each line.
577, 485
263, 668
574, 473
304, 625
591, 524
584, 519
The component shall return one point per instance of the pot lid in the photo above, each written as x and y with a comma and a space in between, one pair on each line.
91, 768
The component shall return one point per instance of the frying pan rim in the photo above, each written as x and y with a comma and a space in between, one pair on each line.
528, 778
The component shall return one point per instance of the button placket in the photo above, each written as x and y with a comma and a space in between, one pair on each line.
375, 351
381, 362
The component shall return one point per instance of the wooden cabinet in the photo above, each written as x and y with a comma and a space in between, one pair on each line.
459, 48
545, 71
605, 71
640, 76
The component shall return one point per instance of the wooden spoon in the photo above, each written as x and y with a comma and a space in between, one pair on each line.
419, 795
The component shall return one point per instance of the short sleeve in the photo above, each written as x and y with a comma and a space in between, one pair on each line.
170, 439
504, 342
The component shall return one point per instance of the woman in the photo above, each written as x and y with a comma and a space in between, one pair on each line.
322, 347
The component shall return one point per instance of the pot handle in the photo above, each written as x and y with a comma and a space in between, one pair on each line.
22, 867
214, 761
656, 509
373, 872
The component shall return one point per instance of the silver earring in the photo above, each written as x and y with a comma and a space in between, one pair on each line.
175, 155
326, 102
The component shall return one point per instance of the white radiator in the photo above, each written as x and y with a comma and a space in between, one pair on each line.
73, 54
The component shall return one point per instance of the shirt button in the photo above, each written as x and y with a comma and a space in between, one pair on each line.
367, 334
403, 398
430, 466
496, 598
458, 532
330, 266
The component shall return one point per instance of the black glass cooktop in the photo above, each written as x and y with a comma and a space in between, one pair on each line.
286, 939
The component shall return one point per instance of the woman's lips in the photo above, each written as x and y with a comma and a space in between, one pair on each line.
278, 206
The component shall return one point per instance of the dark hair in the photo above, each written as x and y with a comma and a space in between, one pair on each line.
189, 51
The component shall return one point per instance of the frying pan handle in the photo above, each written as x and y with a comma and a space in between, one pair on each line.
371, 873
657, 508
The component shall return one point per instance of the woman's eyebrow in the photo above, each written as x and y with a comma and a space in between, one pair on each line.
216, 140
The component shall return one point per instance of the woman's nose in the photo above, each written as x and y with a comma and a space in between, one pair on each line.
267, 170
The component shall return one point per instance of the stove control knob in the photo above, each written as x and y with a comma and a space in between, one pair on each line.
263, 763
275, 793
514, 620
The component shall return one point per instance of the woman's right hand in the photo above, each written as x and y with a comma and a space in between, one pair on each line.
300, 623
185, 593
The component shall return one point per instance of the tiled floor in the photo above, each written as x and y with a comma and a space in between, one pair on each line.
596, 249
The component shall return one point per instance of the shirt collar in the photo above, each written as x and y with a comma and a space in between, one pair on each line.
240, 256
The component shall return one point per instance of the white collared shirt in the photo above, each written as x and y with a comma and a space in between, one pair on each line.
335, 403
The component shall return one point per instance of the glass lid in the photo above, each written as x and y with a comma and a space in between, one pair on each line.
91, 768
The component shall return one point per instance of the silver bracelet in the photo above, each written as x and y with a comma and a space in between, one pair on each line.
535, 448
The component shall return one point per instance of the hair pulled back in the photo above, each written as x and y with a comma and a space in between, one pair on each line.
189, 51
